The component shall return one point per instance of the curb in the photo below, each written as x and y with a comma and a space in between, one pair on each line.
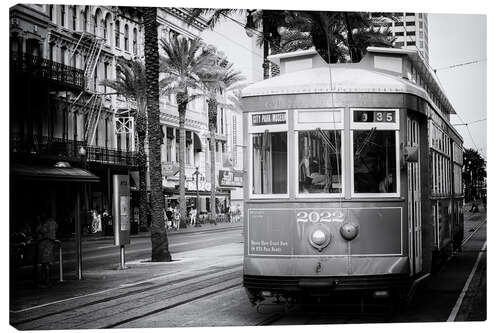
147, 234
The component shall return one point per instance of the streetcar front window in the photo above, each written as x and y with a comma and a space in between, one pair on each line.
374, 154
320, 167
269, 154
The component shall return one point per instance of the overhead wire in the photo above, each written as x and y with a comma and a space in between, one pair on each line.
426, 63
460, 65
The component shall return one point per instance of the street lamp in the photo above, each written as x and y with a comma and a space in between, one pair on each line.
78, 227
197, 174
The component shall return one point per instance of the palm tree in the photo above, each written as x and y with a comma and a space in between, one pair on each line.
221, 79
182, 67
159, 240
131, 83
339, 36
269, 20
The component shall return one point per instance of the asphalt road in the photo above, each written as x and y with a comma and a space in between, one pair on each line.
203, 288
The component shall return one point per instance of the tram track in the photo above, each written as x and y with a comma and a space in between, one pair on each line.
231, 285
139, 293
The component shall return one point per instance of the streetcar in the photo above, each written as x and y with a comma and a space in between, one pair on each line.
353, 177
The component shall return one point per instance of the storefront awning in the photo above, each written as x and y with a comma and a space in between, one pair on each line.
174, 193
197, 143
52, 173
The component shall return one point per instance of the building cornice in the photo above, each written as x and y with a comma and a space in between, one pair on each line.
185, 15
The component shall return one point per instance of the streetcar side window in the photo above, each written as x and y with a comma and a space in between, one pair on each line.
374, 154
270, 163
320, 164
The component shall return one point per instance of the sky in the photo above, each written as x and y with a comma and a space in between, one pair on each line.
453, 39
456, 39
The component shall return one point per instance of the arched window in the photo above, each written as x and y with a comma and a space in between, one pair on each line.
117, 33
51, 12
73, 25
107, 23
63, 15
85, 20
134, 45
97, 22
125, 37
63, 55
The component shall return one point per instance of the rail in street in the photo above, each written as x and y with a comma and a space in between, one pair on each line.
203, 288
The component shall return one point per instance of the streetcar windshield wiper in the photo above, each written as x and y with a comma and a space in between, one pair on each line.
365, 142
326, 140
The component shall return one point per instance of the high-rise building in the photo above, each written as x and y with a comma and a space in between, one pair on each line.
410, 30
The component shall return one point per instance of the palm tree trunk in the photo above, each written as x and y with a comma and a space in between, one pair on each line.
212, 121
159, 240
182, 105
142, 163
265, 31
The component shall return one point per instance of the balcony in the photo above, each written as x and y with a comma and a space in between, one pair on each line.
111, 156
68, 149
47, 69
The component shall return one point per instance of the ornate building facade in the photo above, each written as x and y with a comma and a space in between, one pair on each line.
61, 113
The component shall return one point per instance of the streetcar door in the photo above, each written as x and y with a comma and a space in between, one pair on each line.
414, 204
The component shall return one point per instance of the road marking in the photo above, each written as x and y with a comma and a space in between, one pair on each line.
460, 299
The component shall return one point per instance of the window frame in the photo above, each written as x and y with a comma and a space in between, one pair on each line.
334, 126
126, 37
252, 130
395, 127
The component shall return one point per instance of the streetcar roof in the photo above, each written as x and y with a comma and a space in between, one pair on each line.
360, 77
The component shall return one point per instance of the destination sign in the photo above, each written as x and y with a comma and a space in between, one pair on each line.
374, 116
269, 118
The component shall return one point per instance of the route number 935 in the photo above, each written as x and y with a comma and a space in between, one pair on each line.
321, 216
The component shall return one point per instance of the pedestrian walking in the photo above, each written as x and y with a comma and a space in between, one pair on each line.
47, 232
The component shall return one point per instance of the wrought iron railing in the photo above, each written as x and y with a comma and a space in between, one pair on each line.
44, 145
47, 69
111, 156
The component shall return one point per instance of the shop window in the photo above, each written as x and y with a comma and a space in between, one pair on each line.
270, 160
320, 164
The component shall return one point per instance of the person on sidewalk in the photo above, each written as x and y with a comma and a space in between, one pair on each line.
107, 222
192, 215
47, 232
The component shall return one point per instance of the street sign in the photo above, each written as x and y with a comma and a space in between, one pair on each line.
230, 178
121, 209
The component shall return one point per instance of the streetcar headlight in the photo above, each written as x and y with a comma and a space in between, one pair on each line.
349, 231
318, 237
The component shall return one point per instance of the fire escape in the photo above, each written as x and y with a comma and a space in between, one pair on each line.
91, 100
